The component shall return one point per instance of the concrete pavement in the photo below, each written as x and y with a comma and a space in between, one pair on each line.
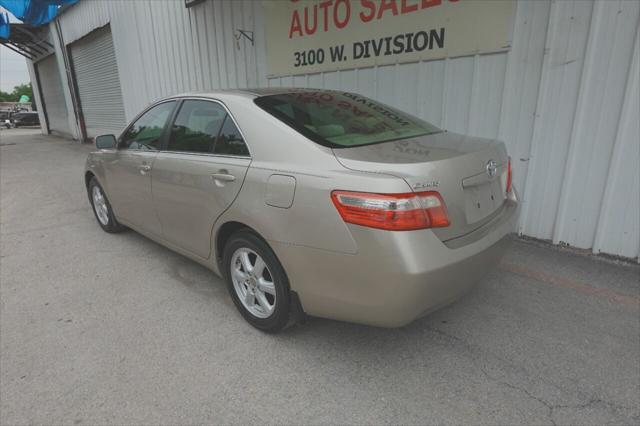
115, 329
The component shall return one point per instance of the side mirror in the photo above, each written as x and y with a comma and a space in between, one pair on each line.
105, 142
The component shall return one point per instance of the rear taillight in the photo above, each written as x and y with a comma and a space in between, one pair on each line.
393, 212
509, 176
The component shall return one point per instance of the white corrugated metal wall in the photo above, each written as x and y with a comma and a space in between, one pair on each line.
564, 98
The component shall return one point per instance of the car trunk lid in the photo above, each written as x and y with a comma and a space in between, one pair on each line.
468, 172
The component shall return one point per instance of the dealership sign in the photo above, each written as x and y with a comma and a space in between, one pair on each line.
326, 35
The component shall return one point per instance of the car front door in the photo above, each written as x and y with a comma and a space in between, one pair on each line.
198, 173
128, 173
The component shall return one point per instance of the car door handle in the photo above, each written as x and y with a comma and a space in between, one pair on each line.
144, 168
223, 177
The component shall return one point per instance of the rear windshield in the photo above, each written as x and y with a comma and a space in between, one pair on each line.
342, 120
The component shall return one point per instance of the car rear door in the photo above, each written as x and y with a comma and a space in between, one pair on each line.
198, 173
128, 170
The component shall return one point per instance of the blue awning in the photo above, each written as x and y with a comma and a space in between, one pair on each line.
4, 25
31, 12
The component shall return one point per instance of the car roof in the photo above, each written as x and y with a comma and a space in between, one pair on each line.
250, 92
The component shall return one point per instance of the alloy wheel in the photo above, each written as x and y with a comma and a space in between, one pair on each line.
100, 206
253, 282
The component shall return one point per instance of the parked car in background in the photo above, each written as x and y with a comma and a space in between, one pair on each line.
21, 119
310, 201
5, 119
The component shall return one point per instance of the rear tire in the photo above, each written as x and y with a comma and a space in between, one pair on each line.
256, 282
102, 208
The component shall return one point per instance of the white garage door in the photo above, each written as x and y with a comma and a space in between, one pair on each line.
96, 72
52, 95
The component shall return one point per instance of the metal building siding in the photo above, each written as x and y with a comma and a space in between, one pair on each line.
561, 98
619, 222
53, 96
598, 110
586, 78
562, 68
96, 72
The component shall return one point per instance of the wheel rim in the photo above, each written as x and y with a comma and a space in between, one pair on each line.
100, 206
253, 282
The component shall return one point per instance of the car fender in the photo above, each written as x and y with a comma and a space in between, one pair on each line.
95, 166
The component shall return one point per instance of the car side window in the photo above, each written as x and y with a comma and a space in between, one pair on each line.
145, 133
196, 126
230, 141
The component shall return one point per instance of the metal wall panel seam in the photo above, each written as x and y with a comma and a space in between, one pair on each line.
508, 72
245, 45
591, 148
195, 39
187, 40
445, 94
154, 20
163, 52
420, 88
617, 152
260, 43
182, 56
535, 148
239, 64
220, 56
546, 150
357, 77
613, 38
533, 54
232, 69
151, 40
178, 54
169, 41
472, 97
141, 40
395, 82
159, 87
189, 47
231, 66
520, 115
207, 45
570, 163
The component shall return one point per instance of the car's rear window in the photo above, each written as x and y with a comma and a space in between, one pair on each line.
342, 120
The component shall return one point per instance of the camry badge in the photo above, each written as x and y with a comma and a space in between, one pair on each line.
423, 185
492, 168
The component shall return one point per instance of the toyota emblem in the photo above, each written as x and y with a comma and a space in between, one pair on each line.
492, 168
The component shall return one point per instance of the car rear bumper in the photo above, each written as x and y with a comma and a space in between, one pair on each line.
395, 277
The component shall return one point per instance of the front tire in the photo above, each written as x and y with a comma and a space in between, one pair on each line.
256, 282
102, 208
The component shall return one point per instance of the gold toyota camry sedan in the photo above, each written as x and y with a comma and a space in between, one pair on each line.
310, 202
